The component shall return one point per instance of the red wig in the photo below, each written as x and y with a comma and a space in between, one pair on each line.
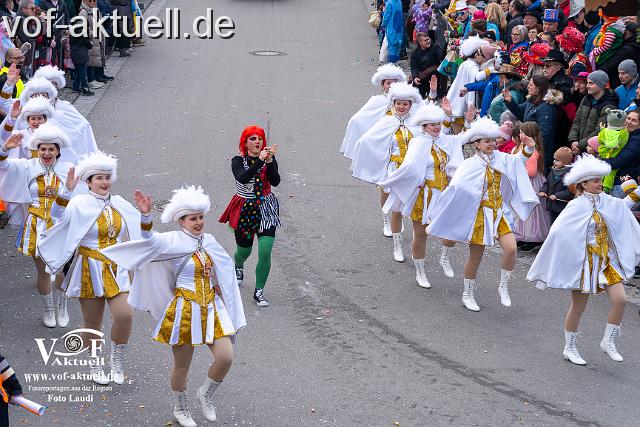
246, 133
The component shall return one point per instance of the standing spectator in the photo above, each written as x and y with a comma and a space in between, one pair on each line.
424, 62
422, 16
393, 26
60, 8
13, 56
540, 107
628, 74
630, 49
123, 7
510, 80
594, 24
531, 19
635, 103
496, 16
550, 20
6, 8
504, 4
88, 8
516, 12
80, 47
532, 231
579, 91
627, 161
556, 193
591, 111
607, 41
463, 19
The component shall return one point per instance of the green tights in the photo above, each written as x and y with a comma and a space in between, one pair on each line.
265, 246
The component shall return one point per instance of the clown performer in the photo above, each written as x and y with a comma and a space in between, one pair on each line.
37, 183
382, 149
416, 186
593, 247
472, 208
88, 223
186, 280
375, 108
254, 210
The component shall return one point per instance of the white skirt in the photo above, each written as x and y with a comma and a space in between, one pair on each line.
91, 278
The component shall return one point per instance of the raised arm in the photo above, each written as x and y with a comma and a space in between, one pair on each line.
145, 205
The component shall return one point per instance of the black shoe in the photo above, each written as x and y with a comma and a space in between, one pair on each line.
239, 275
637, 273
87, 92
101, 80
529, 247
124, 53
107, 78
258, 296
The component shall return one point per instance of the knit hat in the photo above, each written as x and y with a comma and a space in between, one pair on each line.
628, 66
564, 155
593, 143
506, 130
582, 75
488, 50
479, 15
615, 118
600, 78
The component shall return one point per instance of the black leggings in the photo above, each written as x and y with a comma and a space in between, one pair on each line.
246, 242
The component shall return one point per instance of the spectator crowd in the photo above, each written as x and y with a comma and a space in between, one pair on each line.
565, 73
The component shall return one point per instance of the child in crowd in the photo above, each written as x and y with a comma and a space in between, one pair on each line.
557, 194
505, 142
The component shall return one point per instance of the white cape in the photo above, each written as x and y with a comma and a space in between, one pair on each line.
77, 128
375, 108
373, 150
560, 261
59, 243
454, 215
403, 185
154, 276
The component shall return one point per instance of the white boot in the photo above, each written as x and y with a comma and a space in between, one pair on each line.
398, 255
97, 374
49, 317
205, 395
181, 411
386, 228
117, 362
503, 287
468, 297
421, 274
63, 314
570, 352
608, 345
444, 262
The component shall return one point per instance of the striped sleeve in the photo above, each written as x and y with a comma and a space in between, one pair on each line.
8, 379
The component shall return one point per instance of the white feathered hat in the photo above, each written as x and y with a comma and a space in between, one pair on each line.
586, 167
35, 106
53, 74
483, 127
469, 46
48, 133
388, 72
430, 113
404, 92
96, 163
186, 201
37, 86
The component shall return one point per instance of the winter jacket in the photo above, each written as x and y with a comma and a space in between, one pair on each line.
627, 162
80, 47
563, 83
626, 95
497, 106
124, 9
544, 114
490, 89
61, 9
555, 186
95, 54
591, 113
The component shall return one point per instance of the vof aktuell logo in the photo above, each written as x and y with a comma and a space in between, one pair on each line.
64, 351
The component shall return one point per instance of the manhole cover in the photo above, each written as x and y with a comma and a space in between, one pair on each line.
267, 53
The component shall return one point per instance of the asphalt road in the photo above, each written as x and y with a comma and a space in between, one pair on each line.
349, 339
